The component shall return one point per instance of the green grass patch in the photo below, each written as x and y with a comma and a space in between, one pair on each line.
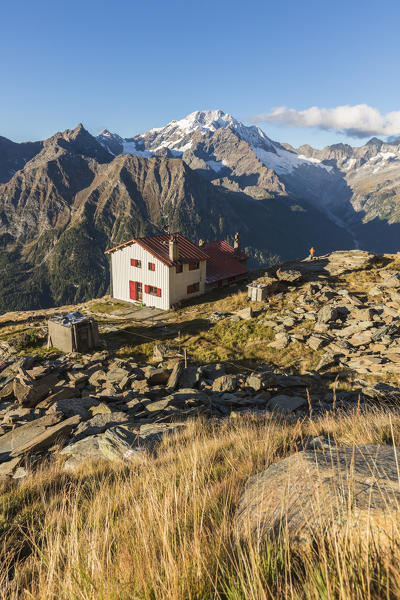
105, 307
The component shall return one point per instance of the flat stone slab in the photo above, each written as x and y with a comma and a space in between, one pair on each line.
99, 423
322, 491
150, 433
74, 406
25, 433
48, 437
286, 404
7, 468
116, 444
82, 451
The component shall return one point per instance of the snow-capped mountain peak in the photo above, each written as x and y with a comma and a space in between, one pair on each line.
212, 120
177, 135
107, 134
208, 120
180, 136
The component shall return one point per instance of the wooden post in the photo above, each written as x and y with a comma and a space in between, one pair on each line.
91, 343
75, 339
185, 354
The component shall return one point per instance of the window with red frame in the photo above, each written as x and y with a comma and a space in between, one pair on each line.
194, 287
136, 263
152, 290
194, 266
179, 268
152, 266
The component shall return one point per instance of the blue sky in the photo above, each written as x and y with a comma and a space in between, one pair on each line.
130, 65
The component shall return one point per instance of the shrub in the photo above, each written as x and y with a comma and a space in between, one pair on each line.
28, 339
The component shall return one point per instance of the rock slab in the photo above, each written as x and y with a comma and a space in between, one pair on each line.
321, 491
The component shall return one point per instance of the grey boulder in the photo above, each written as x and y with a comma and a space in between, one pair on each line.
286, 404
99, 423
318, 492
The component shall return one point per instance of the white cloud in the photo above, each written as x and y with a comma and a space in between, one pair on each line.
360, 120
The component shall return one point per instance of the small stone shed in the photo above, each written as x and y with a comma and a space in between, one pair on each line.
72, 332
257, 292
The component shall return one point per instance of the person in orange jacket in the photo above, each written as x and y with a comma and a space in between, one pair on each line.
312, 252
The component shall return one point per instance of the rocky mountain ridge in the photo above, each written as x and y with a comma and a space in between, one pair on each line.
354, 186
65, 200
73, 199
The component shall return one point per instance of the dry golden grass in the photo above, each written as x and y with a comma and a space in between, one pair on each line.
361, 281
162, 529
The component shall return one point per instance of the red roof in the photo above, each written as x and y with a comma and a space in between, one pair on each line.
222, 262
158, 246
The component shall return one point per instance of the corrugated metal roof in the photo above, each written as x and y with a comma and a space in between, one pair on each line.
158, 246
222, 262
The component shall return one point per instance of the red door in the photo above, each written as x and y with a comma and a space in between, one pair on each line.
133, 290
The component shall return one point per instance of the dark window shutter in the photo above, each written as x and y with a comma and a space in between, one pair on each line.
146, 289
159, 292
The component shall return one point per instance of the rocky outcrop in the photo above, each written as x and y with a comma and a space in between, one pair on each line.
288, 275
335, 263
80, 401
62, 400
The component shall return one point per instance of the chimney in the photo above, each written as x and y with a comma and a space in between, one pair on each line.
173, 248
236, 244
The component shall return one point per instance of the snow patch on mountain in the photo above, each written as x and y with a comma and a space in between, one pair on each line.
216, 165
284, 162
315, 161
381, 160
108, 135
349, 164
176, 148
386, 159
130, 148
